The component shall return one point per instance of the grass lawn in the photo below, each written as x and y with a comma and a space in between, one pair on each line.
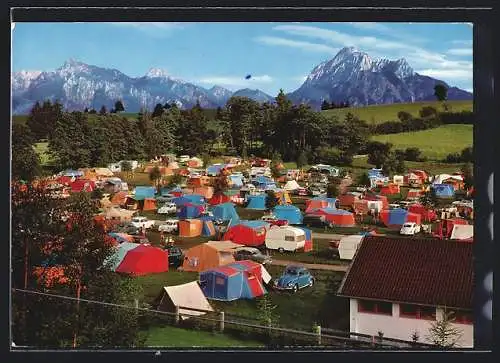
317, 304
383, 113
152, 284
434, 143
169, 336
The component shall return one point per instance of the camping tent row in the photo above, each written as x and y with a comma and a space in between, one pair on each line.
336, 217
395, 218
138, 259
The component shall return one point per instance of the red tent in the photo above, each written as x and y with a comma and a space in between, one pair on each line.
65, 180
219, 199
389, 189
82, 185
428, 215
246, 235
144, 260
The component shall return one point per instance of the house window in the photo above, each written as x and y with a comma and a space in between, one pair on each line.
462, 316
417, 311
375, 307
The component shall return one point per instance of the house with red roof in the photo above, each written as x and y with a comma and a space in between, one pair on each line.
400, 286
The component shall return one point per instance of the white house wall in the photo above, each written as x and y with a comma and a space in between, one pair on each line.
400, 328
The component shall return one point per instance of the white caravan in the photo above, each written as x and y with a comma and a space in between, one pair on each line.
285, 238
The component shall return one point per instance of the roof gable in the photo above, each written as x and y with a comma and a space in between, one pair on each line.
418, 271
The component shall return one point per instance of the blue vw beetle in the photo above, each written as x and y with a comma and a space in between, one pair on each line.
294, 278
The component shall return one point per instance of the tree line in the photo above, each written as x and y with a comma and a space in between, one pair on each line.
242, 127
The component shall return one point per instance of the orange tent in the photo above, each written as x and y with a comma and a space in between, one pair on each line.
119, 198
190, 227
149, 204
209, 255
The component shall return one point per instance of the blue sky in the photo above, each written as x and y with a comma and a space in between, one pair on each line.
277, 55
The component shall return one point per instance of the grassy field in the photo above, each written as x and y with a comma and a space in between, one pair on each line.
381, 113
169, 336
434, 143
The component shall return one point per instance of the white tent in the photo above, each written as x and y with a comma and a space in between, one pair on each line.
266, 277
462, 231
348, 246
291, 185
187, 295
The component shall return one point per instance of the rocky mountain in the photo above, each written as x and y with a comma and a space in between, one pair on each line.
78, 85
354, 76
351, 76
254, 94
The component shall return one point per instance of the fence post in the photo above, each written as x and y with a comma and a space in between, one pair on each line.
221, 321
319, 334
177, 315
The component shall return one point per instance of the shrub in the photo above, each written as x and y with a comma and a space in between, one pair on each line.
428, 112
412, 154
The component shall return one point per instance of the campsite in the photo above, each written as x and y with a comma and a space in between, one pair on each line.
329, 208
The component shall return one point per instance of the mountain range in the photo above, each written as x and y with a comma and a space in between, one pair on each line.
351, 75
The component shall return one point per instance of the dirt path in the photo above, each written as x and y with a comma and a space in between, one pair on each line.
312, 266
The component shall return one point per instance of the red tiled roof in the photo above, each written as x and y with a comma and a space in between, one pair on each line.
417, 271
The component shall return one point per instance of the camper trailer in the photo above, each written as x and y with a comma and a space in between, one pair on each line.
346, 247
285, 238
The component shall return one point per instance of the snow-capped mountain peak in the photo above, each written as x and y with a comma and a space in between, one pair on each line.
157, 73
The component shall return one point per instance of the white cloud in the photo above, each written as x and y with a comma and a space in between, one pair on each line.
232, 81
417, 57
453, 74
156, 29
460, 51
462, 42
470, 90
313, 47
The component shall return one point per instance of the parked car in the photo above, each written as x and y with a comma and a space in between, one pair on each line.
170, 226
175, 256
274, 221
165, 198
294, 278
410, 229
142, 222
251, 253
311, 220
184, 158
167, 208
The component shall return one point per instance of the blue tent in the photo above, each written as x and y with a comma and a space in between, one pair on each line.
179, 201
289, 212
236, 180
189, 211
264, 182
232, 282
443, 190
397, 216
195, 198
142, 193
257, 202
214, 170
208, 229
225, 212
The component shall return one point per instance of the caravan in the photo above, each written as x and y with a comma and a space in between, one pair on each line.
285, 238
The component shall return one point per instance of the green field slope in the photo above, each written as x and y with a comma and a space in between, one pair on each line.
434, 143
383, 113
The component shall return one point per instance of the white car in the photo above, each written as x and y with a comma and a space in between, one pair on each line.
184, 158
142, 222
170, 226
167, 208
410, 229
